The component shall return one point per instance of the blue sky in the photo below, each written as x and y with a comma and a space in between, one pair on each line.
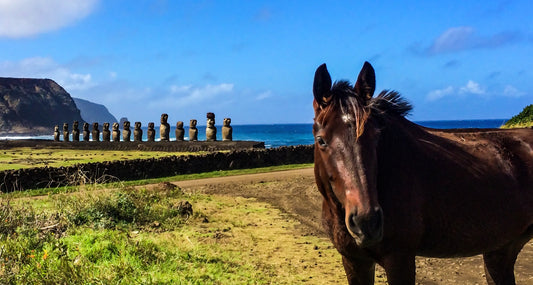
254, 61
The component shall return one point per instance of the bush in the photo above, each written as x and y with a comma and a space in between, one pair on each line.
125, 208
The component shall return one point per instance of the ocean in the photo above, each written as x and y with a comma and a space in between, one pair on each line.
293, 134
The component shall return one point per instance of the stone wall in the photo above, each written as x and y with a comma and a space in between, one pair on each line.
22, 179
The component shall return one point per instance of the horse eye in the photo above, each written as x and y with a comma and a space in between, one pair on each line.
321, 142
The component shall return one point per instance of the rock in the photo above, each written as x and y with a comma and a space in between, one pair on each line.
93, 112
184, 208
34, 106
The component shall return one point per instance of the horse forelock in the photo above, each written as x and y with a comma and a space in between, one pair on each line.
348, 105
355, 110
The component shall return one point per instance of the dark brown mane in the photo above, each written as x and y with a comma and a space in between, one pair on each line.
391, 103
347, 102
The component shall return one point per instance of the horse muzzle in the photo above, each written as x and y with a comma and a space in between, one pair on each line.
367, 229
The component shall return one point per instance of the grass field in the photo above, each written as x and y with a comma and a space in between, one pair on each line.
128, 236
17, 158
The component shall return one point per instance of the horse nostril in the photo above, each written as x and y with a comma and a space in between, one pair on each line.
353, 225
375, 224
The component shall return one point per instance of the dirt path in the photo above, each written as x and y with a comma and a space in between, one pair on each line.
295, 193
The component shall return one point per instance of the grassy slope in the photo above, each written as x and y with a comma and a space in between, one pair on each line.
523, 120
130, 236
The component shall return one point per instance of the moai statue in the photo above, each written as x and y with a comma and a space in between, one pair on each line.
180, 131
65, 132
96, 133
211, 130
150, 133
86, 133
75, 132
164, 128
227, 130
137, 132
126, 132
56, 133
116, 132
106, 134
193, 131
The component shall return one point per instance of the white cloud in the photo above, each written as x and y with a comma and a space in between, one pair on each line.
511, 91
113, 75
463, 38
472, 87
175, 89
264, 95
440, 93
24, 18
44, 67
186, 95
456, 38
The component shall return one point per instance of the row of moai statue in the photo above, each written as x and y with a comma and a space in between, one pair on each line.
164, 131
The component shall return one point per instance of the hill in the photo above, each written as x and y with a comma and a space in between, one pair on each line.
523, 120
34, 106
92, 112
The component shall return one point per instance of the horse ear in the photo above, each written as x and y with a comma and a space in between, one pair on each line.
366, 81
322, 85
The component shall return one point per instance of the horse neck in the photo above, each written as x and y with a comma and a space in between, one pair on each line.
400, 143
407, 146
400, 133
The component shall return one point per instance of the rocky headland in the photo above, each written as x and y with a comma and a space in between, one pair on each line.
34, 106
93, 112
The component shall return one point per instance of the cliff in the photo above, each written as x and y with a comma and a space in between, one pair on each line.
92, 112
34, 106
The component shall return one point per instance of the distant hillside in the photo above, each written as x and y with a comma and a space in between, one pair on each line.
34, 106
92, 112
522, 120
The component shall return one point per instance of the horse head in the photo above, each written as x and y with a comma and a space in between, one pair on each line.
346, 151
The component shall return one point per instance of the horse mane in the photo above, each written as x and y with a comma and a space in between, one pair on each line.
391, 102
357, 109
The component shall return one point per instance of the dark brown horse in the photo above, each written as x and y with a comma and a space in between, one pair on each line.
394, 190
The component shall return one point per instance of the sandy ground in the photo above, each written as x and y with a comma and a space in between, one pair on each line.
295, 193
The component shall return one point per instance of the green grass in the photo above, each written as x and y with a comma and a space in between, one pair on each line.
17, 158
127, 236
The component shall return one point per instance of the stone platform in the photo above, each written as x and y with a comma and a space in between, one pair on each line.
169, 146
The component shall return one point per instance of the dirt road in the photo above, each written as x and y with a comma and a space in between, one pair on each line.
295, 193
